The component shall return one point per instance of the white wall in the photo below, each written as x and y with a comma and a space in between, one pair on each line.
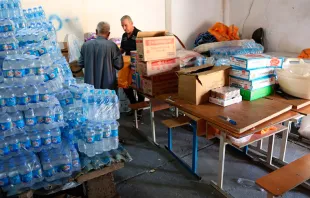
286, 22
191, 17
79, 16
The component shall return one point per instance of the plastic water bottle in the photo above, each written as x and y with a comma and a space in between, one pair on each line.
46, 139
36, 142
98, 139
14, 145
76, 164
4, 149
90, 142
49, 116
18, 122
106, 137
2, 101
49, 171
30, 118
4, 179
25, 172
4, 9
10, 100
58, 113
43, 93
114, 135
21, 98
56, 137
13, 174
25, 141
36, 169
66, 164
19, 71
33, 94
40, 113
5, 122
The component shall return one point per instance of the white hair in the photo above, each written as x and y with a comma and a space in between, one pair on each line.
126, 17
103, 27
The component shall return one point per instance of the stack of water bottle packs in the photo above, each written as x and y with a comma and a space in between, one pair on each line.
45, 116
254, 74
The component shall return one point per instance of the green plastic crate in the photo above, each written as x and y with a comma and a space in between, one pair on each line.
256, 94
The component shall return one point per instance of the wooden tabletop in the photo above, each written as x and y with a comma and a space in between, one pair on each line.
296, 103
286, 178
247, 114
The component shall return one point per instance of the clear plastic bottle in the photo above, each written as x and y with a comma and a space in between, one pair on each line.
66, 165
76, 164
4, 149
106, 137
36, 169
56, 137
4, 179
90, 142
114, 135
58, 113
14, 145
8, 72
30, 118
13, 174
5, 122
25, 141
10, 100
25, 172
48, 169
98, 139
21, 98
18, 122
44, 94
46, 139
33, 94
36, 142
2, 101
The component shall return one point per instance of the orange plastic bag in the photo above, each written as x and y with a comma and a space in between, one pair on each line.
125, 74
305, 53
223, 33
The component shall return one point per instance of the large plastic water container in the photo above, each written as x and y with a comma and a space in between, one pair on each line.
294, 78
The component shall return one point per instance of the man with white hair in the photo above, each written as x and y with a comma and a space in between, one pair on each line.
100, 58
129, 44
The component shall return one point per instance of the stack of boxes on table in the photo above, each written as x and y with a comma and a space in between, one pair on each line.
155, 63
254, 74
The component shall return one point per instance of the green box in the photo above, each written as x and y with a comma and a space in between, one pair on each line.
256, 94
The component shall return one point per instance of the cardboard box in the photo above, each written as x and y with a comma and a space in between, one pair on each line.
160, 84
225, 93
151, 68
256, 94
196, 83
252, 74
254, 61
225, 103
252, 85
155, 46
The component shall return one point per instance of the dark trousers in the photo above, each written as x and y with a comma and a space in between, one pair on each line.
131, 96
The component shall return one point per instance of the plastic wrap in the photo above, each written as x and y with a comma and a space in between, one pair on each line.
74, 48
304, 129
188, 58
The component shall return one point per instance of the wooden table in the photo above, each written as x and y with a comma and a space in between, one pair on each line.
297, 103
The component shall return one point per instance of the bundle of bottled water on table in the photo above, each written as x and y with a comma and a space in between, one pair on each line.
47, 119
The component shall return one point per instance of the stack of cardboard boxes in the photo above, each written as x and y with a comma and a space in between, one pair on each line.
254, 74
156, 63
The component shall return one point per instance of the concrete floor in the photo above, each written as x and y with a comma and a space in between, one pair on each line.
155, 173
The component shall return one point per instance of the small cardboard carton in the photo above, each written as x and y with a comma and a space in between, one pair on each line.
256, 94
155, 46
252, 74
252, 85
254, 61
151, 68
196, 83
160, 84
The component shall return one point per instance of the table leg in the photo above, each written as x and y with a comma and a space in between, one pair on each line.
170, 139
136, 119
176, 112
270, 149
152, 123
260, 144
284, 141
195, 148
221, 159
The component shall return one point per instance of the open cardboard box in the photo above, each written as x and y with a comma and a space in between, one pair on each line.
195, 83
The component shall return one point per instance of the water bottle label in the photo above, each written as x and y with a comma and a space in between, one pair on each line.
44, 97
46, 141
22, 100
62, 102
8, 73
77, 96
46, 78
10, 5
53, 75
91, 100
10, 102
58, 168
34, 98
31, 52
36, 143
19, 73
90, 139
30, 72
69, 101
15, 147
6, 126
114, 133
59, 117
76, 163
4, 151
56, 139
31, 121
49, 172
98, 137
17, 4
8, 28
26, 178
106, 134
37, 174
106, 100
40, 71
3, 5
12, 46
2, 102
49, 119
4, 182
15, 180
26, 144
19, 124
40, 119
66, 168
3, 47
42, 51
